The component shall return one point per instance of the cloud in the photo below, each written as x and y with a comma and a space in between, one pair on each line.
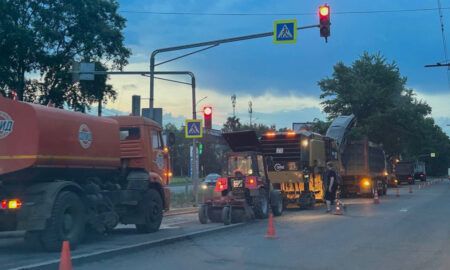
439, 103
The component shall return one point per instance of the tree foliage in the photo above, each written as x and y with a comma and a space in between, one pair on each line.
387, 112
43, 37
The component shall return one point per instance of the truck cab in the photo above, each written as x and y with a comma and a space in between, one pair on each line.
142, 148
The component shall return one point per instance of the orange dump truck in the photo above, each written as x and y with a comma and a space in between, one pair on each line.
61, 171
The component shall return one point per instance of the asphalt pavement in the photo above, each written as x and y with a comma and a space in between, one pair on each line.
407, 232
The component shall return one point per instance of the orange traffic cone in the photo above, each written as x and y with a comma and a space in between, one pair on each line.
376, 200
397, 193
270, 228
410, 189
338, 208
66, 261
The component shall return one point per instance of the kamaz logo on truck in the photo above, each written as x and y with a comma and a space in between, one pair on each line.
6, 125
85, 136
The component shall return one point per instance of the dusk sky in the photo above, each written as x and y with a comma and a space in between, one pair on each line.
280, 79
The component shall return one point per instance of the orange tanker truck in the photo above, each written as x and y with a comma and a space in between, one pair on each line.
62, 171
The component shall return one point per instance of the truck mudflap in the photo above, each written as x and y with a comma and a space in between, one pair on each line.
37, 204
166, 198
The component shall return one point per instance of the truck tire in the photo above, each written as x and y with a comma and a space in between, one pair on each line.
66, 223
261, 205
151, 207
276, 203
226, 215
312, 205
203, 214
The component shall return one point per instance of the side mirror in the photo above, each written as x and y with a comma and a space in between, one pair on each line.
171, 139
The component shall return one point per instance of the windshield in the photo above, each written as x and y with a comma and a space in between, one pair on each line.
212, 177
240, 165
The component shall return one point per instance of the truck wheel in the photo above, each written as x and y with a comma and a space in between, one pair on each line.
312, 204
67, 222
203, 214
151, 207
261, 206
226, 215
276, 202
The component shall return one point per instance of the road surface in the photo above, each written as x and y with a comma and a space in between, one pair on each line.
180, 188
407, 232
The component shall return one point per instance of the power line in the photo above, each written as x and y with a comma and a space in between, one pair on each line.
281, 14
444, 42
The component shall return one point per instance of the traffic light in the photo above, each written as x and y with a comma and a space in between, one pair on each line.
200, 149
207, 115
324, 16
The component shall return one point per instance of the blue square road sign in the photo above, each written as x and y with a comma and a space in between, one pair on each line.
285, 31
193, 129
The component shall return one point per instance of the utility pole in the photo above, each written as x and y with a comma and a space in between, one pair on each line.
233, 102
250, 111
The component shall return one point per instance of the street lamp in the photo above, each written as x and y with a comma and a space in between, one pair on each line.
201, 100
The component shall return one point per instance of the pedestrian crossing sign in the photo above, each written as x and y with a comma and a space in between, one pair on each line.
193, 128
285, 31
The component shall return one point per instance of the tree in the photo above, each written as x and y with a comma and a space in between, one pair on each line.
387, 112
45, 36
232, 124
319, 126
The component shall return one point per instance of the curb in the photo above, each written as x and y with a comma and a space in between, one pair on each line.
95, 256
181, 211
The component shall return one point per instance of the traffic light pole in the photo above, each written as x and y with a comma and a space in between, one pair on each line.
211, 44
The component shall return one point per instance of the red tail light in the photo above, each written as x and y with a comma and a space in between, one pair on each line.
421, 175
250, 182
221, 184
4, 204
11, 204
410, 178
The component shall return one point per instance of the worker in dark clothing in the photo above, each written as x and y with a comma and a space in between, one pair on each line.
331, 186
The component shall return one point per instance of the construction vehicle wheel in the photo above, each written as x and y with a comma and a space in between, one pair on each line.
226, 215
261, 205
151, 207
203, 214
312, 203
214, 214
276, 202
67, 222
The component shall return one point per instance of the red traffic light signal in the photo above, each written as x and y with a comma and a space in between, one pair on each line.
324, 11
207, 116
207, 110
324, 17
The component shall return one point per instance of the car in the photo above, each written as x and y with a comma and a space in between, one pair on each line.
211, 179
